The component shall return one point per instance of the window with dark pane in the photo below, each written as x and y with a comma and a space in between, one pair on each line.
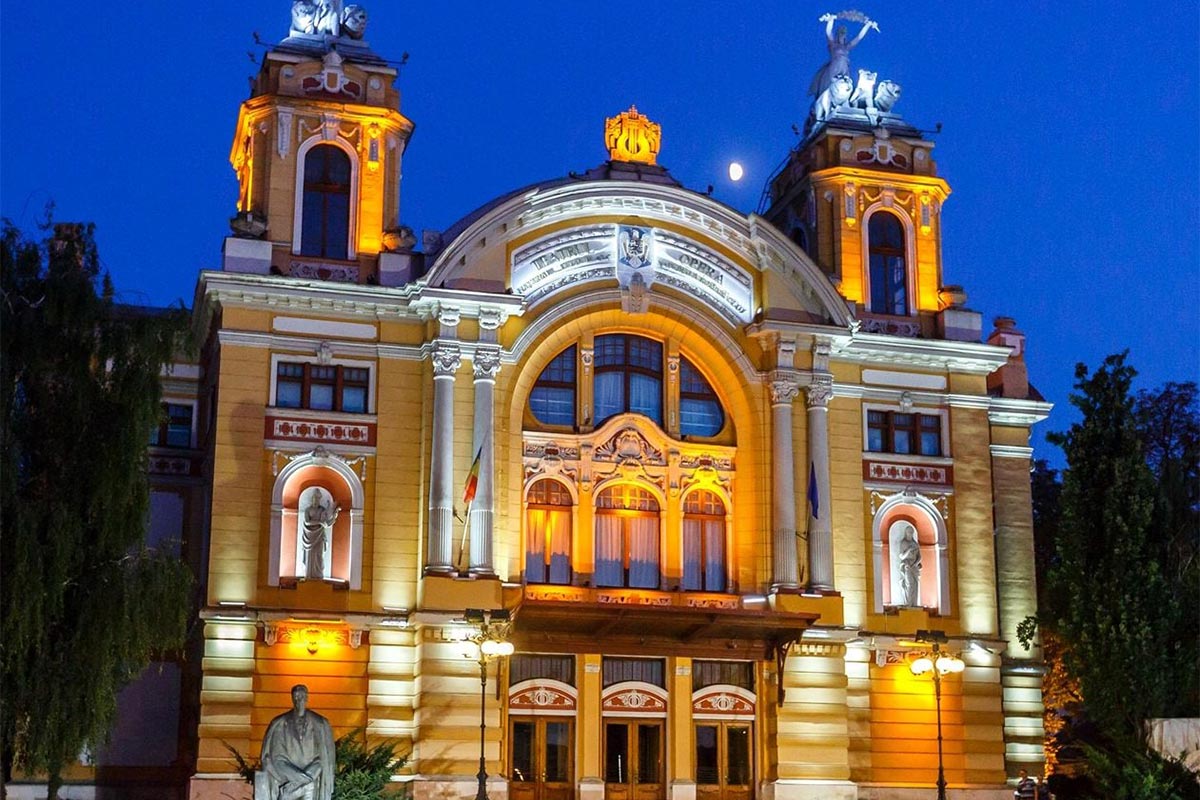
322, 387
931, 435
877, 431
707, 757
174, 427
904, 433
700, 412
552, 400
888, 267
549, 666
730, 673
355, 382
289, 386
628, 377
646, 670
325, 225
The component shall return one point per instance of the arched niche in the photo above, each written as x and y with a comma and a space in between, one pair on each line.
294, 485
902, 521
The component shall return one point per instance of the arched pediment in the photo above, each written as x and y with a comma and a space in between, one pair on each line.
642, 238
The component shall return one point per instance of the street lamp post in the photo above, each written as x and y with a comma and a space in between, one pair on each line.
940, 665
492, 639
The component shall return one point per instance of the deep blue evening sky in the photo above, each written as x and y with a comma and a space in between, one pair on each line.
1069, 135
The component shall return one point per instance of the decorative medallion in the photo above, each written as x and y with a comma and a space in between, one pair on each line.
541, 697
723, 701
634, 699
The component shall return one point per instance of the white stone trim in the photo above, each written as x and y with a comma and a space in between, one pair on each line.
907, 380
1011, 451
322, 327
919, 501
308, 144
1018, 413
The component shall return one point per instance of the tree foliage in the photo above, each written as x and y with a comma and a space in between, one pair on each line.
85, 604
1114, 576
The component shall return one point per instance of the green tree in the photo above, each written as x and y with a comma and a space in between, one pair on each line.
85, 605
1108, 597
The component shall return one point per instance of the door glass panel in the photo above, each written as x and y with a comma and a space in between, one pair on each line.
558, 752
707, 773
737, 753
649, 760
522, 751
616, 753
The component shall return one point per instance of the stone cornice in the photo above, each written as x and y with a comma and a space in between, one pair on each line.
1017, 413
939, 354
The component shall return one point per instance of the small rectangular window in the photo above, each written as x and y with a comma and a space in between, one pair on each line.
322, 387
904, 433
179, 425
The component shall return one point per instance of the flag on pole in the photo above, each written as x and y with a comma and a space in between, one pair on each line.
814, 497
472, 479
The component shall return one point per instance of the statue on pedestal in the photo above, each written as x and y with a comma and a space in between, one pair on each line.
297, 754
839, 49
908, 565
316, 532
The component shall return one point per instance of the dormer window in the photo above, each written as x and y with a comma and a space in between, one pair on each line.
888, 264
325, 228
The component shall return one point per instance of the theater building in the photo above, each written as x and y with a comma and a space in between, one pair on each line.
724, 466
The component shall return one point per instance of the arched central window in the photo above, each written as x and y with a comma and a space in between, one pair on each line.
548, 533
325, 225
627, 540
703, 542
888, 264
628, 377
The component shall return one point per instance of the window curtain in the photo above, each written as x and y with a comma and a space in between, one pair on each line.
692, 569
714, 551
610, 551
610, 395
559, 539
535, 550
643, 552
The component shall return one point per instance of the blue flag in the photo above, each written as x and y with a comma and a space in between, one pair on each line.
814, 498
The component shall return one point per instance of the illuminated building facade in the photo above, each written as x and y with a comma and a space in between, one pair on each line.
725, 466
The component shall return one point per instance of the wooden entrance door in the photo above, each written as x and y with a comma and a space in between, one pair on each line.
633, 760
723, 761
540, 756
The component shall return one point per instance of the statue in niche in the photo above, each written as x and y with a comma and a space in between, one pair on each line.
297, 754
316, 532
907, 557
839, 48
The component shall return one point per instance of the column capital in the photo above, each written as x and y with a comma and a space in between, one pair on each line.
820, 390
492, 317
784, 387
447, 358
486, 363
821, 350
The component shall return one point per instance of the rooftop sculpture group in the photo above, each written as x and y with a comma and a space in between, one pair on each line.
837, 92
328, 18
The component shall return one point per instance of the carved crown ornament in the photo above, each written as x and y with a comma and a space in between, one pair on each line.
627, 448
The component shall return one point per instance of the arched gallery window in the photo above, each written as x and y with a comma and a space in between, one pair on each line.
548, 533
627, 538
704, 566
628, 377
325, 224
888, 264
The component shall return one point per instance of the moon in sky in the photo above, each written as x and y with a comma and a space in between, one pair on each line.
735, 171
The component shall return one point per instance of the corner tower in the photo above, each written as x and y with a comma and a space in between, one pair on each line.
861, 195
317, 150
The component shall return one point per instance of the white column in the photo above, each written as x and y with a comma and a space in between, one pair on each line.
486, 366
439, 553
785, 568
820, 531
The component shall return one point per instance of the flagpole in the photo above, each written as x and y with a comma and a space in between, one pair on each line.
462, 545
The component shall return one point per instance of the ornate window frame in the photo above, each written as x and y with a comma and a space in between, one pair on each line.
906, 408
298, 202
910, 254
318, 457
302, 358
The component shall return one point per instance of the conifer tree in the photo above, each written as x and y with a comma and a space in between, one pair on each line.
85, 605
1107, 597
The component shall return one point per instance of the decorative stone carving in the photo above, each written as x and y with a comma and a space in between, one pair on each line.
314, 537
632, 137
839, 48
447, 358
354, 21
629, 445
784, 389
839, 92
486, 363
820, 391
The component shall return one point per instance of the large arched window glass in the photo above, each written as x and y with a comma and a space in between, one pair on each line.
700, 411
548, 533
627, 541
888, 264
628, 377
703, 542
553, 398
325, 226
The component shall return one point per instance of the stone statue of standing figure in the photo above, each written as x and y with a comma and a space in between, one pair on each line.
908, 565
839, 48
298, 754
317, 533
